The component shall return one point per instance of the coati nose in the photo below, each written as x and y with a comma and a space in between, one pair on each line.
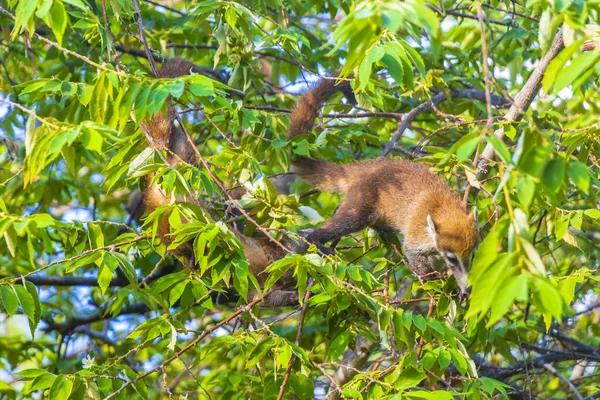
461, 279
462, 295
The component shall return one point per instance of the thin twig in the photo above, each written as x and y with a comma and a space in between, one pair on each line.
563, 378
110, 36
426, 106
140, 23
224, 190
522, 101
297, 341
29, 112
486, 68
173, 10
190, 345
64, 50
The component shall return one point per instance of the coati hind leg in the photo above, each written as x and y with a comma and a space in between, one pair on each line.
355, 213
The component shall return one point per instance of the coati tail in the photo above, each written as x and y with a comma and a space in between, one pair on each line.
176, 67
160, 127
303, 116
323, 175
161, 133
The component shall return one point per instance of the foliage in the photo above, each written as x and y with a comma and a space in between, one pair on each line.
94, 307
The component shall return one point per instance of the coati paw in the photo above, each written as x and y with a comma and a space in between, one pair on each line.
305, 241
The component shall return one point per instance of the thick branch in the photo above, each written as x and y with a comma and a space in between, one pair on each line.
502, 374
191, 345
74, 322
522, 101
218, 75
68, 280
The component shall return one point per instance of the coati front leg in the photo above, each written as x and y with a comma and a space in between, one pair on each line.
355, 213
420, 265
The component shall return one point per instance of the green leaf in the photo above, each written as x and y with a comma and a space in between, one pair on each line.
579, 65
525, 190
61, 388
37, 312
201, 86
548, 299
410, 377
500, 148
77, 3
167, 281
58, 20
364, 73
145, 158
580, 175
26, 302
105, 275
534, 258
10, 237
9, 299
42, 382
511, 288
96, 236
339, 344
32, 373
23, 16
394, 68
554, 174
302, 386
177, 291
127, 267
435, 395
557, 63
466, 146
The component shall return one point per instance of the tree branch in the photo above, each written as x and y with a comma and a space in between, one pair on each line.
218, 75
67, 327
472, 94
192, 344
297, 341
355, 360
140, 23
68, 280
522, 102
563, 378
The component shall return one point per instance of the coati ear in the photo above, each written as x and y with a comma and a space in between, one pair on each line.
431, 229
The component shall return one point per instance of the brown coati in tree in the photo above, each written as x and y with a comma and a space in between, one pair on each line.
161, 133
389, 195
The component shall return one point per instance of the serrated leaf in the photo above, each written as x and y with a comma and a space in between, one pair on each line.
26, 302
9, 300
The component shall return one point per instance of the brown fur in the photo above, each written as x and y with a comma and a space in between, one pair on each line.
161, 133
387, 195
260, 252
303, 117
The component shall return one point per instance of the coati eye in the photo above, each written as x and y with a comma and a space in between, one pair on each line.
452, 259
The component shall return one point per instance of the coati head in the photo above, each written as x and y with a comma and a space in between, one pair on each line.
455, 237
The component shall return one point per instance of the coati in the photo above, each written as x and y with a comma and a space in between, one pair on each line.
160, 132
388, 195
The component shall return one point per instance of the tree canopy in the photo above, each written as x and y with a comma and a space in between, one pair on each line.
500, 98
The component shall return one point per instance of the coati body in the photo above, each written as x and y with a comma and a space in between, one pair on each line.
390, 196
161, 133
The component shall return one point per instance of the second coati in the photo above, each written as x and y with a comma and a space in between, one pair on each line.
389, 195
161, 133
